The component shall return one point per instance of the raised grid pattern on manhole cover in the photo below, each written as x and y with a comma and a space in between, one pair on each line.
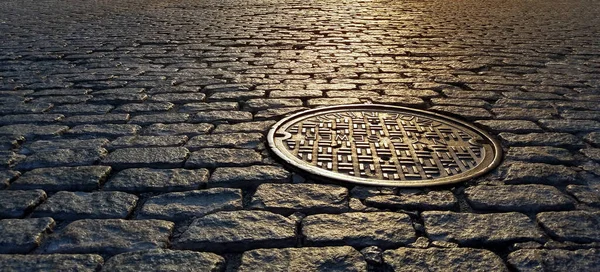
383, 145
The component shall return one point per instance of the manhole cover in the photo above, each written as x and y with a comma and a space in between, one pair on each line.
383, 145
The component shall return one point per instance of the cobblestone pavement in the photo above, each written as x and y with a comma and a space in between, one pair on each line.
133, 134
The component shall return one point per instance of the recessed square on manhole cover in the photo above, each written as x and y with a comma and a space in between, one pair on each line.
383, 145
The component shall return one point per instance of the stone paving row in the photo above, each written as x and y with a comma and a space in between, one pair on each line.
132, 134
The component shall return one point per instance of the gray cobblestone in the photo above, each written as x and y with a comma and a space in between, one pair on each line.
541, 154
519, 198
382, 229
105, 130
61, 157
158, 157
58, 262
589, 195
184, 205
231, 140
512, 126
259, 126
46, 145
479, 229
523, 173
529, 260
441, 259
164, 260
80, 178
15, 204
321, 259
542, 139
109, 236
248, 176
220, 157
177, 129
559, 225
434, 200
147, 141
20, 236
304, 198
79, 205
139, 180
33, 131
245, 230
6, 177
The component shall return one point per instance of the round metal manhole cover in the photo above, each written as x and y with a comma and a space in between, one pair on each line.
383, 145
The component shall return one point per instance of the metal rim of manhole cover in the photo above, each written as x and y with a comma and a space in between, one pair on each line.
383, 145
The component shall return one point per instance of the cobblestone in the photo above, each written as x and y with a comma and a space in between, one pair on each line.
232, 140
61, 158
479, 229
80, 178
319, 259
382, 229
434, 200
184, 205
303, 198
142, 180
247, 127
510, 126
560, 225
238, 231
158, 157
541, 154
164, 260
110, 236
526, 260
542, 139
220, 157
15, 204
589, 195
147, 141
518, 198
6, 177
20, 236
33, 131
250, 176
168, 76
523, 173
441, 259
79, 205
58, 262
